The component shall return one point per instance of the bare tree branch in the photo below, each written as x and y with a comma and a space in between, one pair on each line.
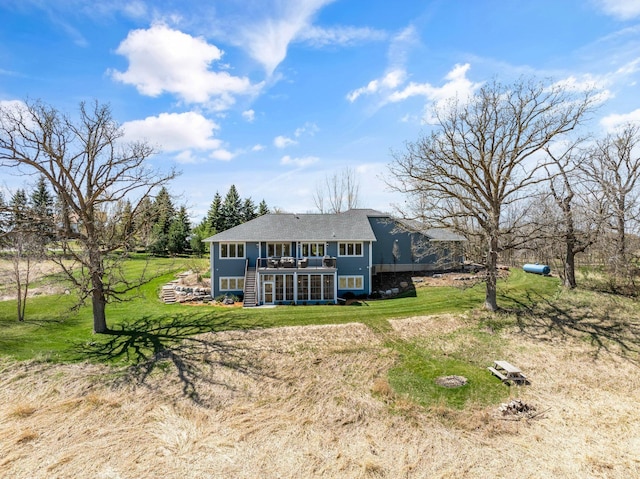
471, 173
90, 168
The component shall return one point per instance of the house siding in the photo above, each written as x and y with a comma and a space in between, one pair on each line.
415, 251
378, 234
354, 266
226, 267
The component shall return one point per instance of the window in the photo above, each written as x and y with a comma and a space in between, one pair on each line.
312, 249
284, 287
315, 287
350, 282
231, 283
349, 249
328, 286
231, 250
303, 287
278, 249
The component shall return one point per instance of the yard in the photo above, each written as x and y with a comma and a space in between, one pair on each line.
326, 391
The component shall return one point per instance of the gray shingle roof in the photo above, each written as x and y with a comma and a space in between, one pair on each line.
435, 234
352, 225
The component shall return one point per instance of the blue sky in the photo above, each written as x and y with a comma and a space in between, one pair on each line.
274, 96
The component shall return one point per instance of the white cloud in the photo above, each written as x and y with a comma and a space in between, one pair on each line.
19, 108
389, 81
175, 131
249, 115
13, 105
400, 46
308, 128
187, 157
612, 122
268, 38
622, 9
457, 85
320, 37
589, 83
299, 162
257, 147
282, 141
222, 154
165, 60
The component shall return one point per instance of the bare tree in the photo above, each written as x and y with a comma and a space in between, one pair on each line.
90, 169
23, 246
579, 218
614, 164
338, 192
472, 171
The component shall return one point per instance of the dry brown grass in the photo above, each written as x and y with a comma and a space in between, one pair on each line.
313, 402
37, 271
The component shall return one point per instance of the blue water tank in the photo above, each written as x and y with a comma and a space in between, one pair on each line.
537, 268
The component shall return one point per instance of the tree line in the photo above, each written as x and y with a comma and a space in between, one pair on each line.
513, 171
32, 225
102, 200
510, 168
30, 221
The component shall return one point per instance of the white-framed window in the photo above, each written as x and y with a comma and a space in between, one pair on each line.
231, 250
350, 282
315, 287
231, 283
350, 249
278, 249
312, 249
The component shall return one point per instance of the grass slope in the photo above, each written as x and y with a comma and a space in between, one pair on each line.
53, 331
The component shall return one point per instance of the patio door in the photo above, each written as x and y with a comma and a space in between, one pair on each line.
267, 292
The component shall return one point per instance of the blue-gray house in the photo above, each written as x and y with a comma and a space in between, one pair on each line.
318, 258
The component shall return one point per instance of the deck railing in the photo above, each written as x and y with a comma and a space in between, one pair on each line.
289, 262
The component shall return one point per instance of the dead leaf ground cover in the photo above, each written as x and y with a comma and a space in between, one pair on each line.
316, 401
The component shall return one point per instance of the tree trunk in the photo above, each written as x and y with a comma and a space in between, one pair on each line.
491, 302
22, 280
620, 263
570, 268
98, 299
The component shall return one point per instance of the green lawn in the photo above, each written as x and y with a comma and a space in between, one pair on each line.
54, 332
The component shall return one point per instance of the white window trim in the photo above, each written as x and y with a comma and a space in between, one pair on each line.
355, 278
351, 255
309, 245
278, 243
244, 250
235, 279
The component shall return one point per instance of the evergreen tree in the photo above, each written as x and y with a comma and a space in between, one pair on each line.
18, 211
163, 210
179, 232
199, 233
144, 221
231, 209
163, 215
125, 227
42, 208
214, 215
263, 209
248, 210
159, 240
